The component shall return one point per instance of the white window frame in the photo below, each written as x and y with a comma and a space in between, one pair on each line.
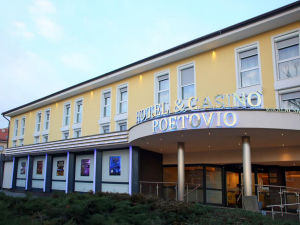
284, 92
63, 135
121, 116
76, 130
119, 123
44, 138
21, 142
288, 85
36, 132
22, 128
45, 131
252, 88
16, 127
75, 111
36, 139
104, 120
104, 125
156, 85
14, 143
179, 87
66, 127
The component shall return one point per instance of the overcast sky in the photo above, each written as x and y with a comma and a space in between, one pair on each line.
46, 46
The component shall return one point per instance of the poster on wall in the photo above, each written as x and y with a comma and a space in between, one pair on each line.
115, 165
60, 168
85, 167
39, 167
23, 168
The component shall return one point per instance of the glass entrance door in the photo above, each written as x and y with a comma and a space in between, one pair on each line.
233, 188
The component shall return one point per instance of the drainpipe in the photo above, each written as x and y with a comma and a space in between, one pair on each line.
7, 129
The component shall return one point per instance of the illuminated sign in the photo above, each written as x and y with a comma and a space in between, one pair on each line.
222, 101
196, 120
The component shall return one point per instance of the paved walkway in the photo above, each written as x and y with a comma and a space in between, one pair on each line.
13, 194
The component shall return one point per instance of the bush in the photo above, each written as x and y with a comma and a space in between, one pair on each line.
111, 209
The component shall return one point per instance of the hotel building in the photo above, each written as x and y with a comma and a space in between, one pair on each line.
204, 121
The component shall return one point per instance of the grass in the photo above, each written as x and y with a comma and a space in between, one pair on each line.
109, 209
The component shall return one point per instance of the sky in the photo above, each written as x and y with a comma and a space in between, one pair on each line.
46, 46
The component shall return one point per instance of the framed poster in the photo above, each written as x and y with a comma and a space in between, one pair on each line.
23, 168
39, 167
115, 165
60, 168
85, 167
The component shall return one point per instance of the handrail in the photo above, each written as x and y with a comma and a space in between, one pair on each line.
276, 186
189, 192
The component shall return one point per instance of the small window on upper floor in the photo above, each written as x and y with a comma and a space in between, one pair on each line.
77, 133
36, 139
248, 66
290, 100
14, 143
66, 119
16, 128
78, 111
45, 138
65, 135
106, 101
47, 119
23, 126
186, 81
122, 126
162, 89
105, 129
21, 142
287, 56
123, 100
38, 122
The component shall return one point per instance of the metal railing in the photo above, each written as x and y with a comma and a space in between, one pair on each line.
168, 190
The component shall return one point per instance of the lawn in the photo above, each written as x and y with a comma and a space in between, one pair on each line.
108, 209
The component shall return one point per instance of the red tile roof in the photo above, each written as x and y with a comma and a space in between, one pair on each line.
3, 134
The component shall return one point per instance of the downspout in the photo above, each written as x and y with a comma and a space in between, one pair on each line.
7, 141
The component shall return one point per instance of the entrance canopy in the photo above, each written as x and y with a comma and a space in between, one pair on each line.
218, 130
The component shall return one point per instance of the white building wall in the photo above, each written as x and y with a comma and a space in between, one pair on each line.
38, 179
113, 185
58, 182
7, 176
84, 183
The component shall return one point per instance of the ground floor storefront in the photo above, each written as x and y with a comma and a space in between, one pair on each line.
196, 159
223, 184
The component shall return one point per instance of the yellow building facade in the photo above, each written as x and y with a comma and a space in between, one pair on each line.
245, 74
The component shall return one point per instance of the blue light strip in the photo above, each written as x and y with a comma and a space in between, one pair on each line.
130, 171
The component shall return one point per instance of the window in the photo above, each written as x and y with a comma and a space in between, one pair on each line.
187, 82
16, 128
14, 143
291, 100
21, 142
47, 119
23, 126
248, 66
78, 112
65, 135
67, 109
123, 98
288, 56
106, 104
105, 129
36, 139
122, 126
77, 133
162, 89
38, 122
45, 138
